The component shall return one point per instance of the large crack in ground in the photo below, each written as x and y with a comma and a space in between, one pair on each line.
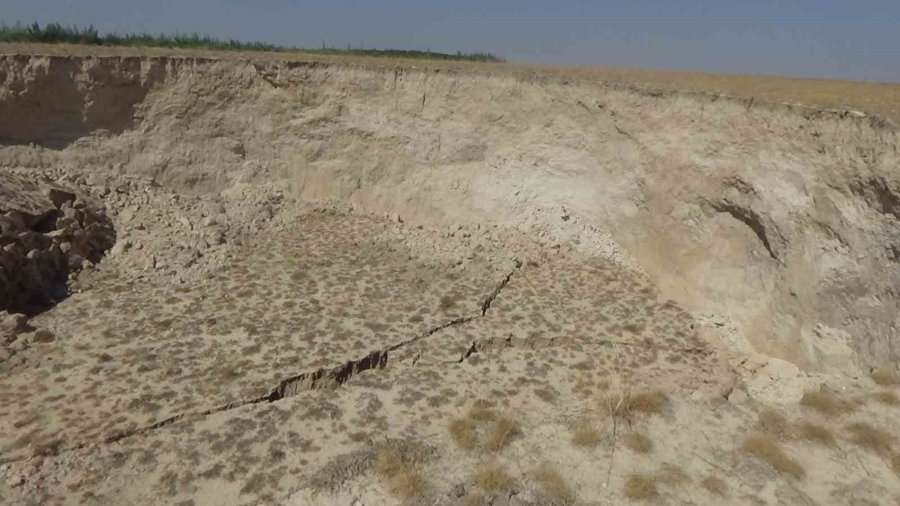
319, 379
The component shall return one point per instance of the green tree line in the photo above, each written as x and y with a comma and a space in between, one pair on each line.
55, 33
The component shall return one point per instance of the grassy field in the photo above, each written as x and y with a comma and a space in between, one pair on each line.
55, 33
878, 99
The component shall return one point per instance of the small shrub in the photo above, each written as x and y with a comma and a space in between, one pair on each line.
887, 397
639, 443
886, 378
640, 487
871, 438
504, 429
773, 422
715, 486
493, 479
481, 411
474, 498
586, 435
769, 451
447, 302
463, 433
673, 475
825, 402
408, 484
627, 404
553, 485
403, 479
816, 433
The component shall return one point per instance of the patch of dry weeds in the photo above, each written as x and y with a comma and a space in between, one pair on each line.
404, 480
715, 485
553, 485
816, 433
769, 451
493, 478
773, 423
639, 442
586, 435
825, 402
886, 378
871, 437
641, 487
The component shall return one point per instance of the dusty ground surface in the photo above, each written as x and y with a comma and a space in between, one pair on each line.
335, 283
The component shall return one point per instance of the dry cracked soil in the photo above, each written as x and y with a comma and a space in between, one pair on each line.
304, 282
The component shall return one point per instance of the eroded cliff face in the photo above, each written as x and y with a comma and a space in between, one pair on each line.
781, 223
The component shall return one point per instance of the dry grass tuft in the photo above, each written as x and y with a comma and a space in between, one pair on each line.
586, 435
715, 485
553, 485
887, 397
773, 422
639, 442
768, 450
871, 438
474, 498
641, 487
481, 412
886, 378
483, 425
493, 479
895, 463
627, 404
816, 433
825, 402
673, 475
504, 430
403, 478
463, 433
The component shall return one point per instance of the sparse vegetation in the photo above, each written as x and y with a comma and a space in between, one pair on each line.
886, 378
641, 487
769, 451
404, 480
502, 433
887, 397
773, 422
825, 402
493, 478
871, 438
553, 485
462, 431
639, 442
714, 485
673, 475
586, 435
56, 33
628, 404
816, 433
484, 427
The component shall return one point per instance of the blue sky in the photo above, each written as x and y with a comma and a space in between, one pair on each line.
813, 38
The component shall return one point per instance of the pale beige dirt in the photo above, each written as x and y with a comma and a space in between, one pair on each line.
321, 263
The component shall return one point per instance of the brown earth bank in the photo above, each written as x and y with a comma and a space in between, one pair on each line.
384, 282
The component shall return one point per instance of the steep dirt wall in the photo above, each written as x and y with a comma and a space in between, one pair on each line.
785, 221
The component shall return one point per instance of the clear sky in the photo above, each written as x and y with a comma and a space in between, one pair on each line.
846, 39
